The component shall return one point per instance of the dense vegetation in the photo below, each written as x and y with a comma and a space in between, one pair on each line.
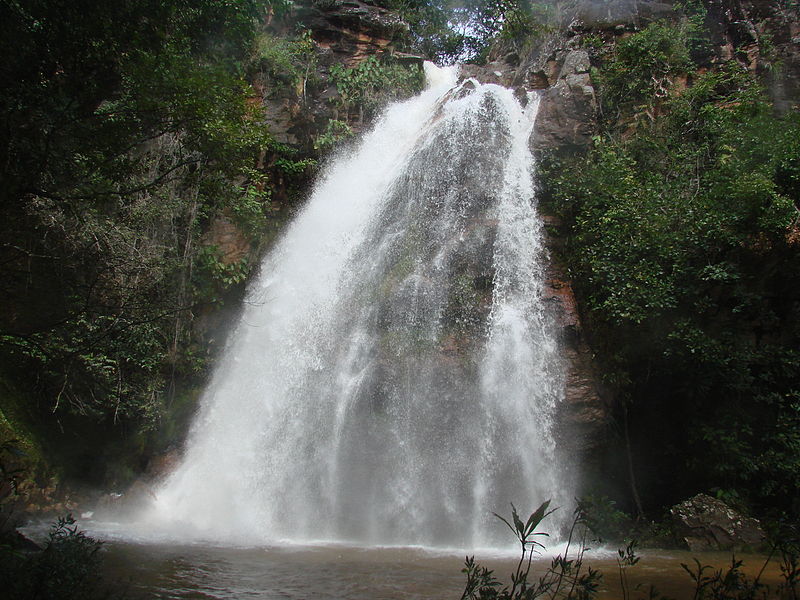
131, 130
126, 128
68, 566
684, 247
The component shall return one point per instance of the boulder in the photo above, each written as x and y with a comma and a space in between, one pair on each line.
705, 523
568, 110
352, 29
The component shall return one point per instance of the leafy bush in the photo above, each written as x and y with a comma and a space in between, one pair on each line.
565, 578
606, 523
290, 61
371, 83
66, 569
683, 248
335, 131
642, 66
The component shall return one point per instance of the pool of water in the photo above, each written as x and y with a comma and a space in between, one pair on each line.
340, 572
152, 566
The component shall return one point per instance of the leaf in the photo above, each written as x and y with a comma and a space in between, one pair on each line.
517, 521
537, 516
504, 521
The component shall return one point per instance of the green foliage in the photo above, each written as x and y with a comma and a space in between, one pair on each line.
372, 83
731, 583
335, 131
513, 26
431, 25
603, 519
14, 463
68, 567
213, 275
290, 61
449, 32
684, 249
698, 40
127, 130
567, 578
252, 204
642, 66
291, 166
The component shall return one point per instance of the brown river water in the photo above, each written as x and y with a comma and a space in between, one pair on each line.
165, 570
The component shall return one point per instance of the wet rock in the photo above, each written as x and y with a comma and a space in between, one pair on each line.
585, 413
107, 505
538, 80
117, 506
567, 115
740, 29
575, 63
705, 523
497, 72
20, 543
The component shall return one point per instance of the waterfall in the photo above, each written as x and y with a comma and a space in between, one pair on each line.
392, 379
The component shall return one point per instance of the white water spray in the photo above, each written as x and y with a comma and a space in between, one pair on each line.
392, 380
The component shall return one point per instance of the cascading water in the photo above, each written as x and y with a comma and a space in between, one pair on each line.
392, 379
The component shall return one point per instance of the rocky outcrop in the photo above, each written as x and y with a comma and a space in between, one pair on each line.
343, 32
705, 523
351, 30
559, 65
764, 36
567, 116
568, 110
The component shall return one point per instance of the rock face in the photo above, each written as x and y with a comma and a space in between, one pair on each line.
568, 110
231, 244
764, 36
567, 116
586, 411
351, 29
705, 523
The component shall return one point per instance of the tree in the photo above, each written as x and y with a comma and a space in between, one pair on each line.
126, 126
